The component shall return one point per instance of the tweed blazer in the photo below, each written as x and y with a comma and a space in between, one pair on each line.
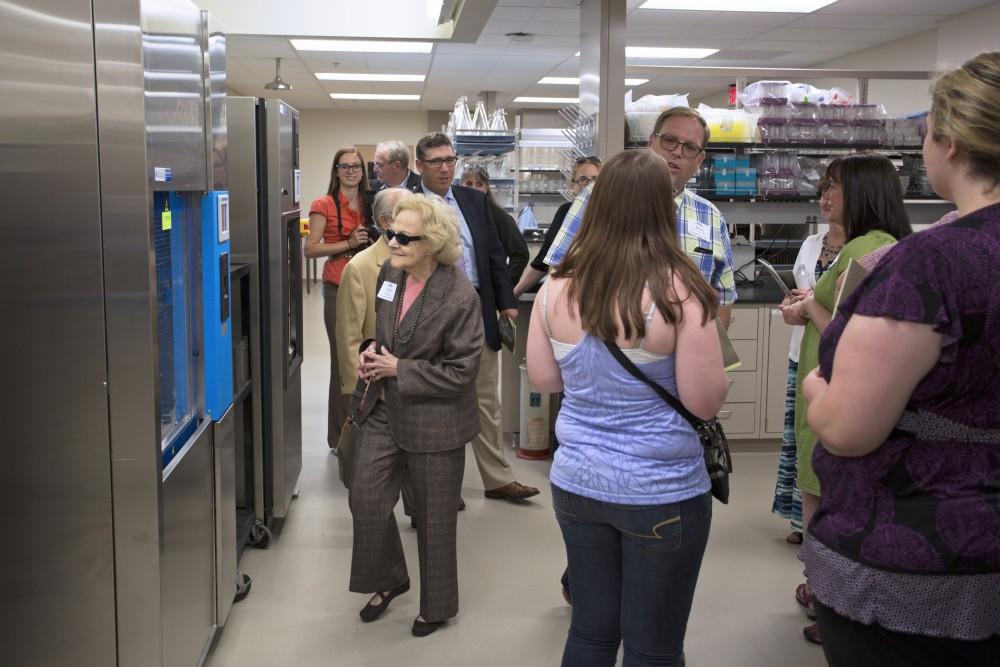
431, 403
356, 309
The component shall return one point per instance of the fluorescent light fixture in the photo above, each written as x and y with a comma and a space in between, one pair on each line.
547, 100
372, 96
677, 53
575, 80
361, 45
342, 76
789, 6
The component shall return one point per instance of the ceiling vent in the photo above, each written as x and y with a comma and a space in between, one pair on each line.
519, 37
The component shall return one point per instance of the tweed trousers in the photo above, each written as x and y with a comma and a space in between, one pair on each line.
378, 563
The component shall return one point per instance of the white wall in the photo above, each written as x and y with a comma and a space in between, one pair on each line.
918, 52
967, 35
323, 132
950, 44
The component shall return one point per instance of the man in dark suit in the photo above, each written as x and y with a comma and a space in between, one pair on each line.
392, 166
484, 263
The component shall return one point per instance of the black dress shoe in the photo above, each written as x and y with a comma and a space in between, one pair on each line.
423, 628
373, 611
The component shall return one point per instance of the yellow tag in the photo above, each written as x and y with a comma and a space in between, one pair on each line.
165, 221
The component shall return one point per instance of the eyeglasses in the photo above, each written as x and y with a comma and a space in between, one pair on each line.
590, 159
438, 161
669, 143
347, 168
584, 181
401, 238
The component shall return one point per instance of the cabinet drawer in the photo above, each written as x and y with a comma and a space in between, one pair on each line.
739, 417
746, 350
742, 387
744, 324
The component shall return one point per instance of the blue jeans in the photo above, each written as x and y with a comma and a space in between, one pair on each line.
633, 569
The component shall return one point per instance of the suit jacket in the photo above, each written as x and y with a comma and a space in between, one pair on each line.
431, 403
512, 240
356, 309
495, 289
412, 181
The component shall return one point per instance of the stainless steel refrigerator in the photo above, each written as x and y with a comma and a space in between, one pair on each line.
264, 183
114, 301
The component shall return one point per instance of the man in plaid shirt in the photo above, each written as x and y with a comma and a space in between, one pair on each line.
679, 137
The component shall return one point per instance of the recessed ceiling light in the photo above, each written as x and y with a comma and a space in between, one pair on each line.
790, 6
340, 76
361, 45
665, 52
548, 100
372, 96
574, 80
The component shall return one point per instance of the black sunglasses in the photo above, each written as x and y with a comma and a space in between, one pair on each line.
401, 238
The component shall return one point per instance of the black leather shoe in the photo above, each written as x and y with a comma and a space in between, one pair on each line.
423, 628
373, 611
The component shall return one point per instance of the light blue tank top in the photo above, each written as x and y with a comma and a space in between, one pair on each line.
618, 441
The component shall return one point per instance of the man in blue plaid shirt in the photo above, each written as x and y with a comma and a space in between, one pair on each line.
679, 137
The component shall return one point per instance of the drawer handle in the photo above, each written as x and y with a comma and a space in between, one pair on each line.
725, 414
729, 381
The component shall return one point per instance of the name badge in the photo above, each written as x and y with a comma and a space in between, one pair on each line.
701, 230
388, 291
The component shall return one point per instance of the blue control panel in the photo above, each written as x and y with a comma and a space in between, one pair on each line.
217, 313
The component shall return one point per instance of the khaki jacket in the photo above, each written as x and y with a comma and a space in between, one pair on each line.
356, 308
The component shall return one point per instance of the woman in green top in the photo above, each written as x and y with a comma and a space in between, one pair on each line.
866, 188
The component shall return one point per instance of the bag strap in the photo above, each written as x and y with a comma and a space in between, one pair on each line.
668, 398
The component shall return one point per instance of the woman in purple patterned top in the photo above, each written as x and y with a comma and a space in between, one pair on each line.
904, 551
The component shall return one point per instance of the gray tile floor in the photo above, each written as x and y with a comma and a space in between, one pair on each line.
299, 611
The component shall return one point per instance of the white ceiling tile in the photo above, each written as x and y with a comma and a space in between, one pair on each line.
563, 15
905, 7
808, 34
515, 14
667, 17
757, 19
563, 28
863, 22
503, 27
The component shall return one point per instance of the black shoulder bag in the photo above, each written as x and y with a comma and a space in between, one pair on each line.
718, 460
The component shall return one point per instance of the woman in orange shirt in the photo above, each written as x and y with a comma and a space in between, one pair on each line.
337, 229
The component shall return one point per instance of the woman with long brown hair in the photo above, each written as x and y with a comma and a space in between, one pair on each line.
629, 472
338, 229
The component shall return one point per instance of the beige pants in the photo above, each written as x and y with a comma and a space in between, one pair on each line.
488, 445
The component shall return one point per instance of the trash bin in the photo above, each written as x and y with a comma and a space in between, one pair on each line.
533, 439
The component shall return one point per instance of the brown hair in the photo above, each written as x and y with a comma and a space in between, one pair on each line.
685, 113
873, 196
334, 189
965, 107
628, 239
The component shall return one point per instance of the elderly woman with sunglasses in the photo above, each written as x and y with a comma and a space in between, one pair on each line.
337, 228
584, 173
416, 409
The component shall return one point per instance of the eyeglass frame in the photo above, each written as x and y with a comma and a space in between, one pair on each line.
348, 168
684, 146
584, 181
401, 238
436, 162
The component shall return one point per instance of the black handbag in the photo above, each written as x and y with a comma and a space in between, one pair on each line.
718, 460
